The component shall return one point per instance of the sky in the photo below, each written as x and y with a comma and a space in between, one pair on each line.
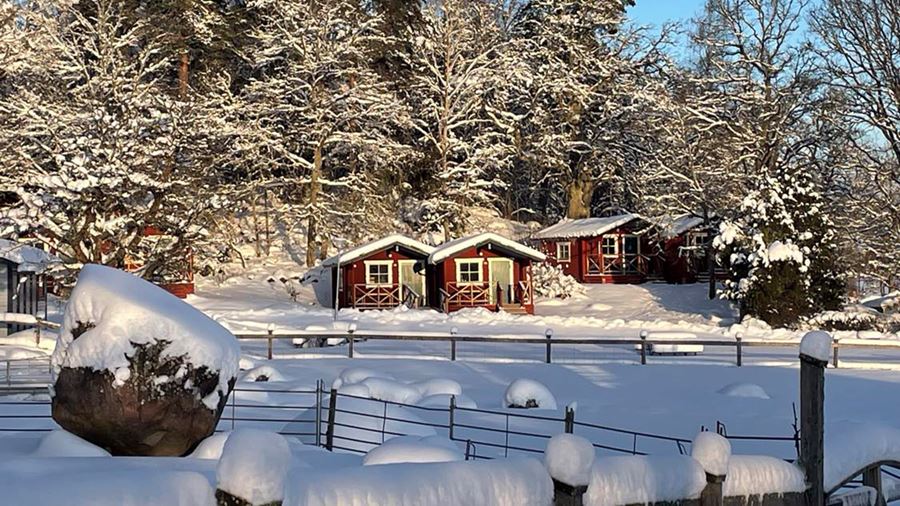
656, 12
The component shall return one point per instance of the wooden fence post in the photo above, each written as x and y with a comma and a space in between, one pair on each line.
740, 348
329, 429
453, 332
269, 351
350, 330
835, 353
872, 478
644, 335
813, 360
569, 423
549, 334
713, 452
452, 416
713, 493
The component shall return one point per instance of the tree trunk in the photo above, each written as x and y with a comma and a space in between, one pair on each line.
312, 241
183, 74
580, 190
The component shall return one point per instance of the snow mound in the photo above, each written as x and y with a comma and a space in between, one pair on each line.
393, 391
126, 311
816, 344
144, 487
438, 386
263, 373
211, 447
520, 482
569, 459
712, 451
355, 389
353, 375
640, 480
254, 465
750, 475
526, 393
850, 446
443, 401
245, 364
744, 390
60, 443
412, 449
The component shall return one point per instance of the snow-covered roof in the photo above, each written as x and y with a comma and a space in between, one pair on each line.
670, 226
371, 247
28, 258
586, 227
448, 249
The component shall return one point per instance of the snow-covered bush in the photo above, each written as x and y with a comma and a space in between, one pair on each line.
526, 393
551, 282
781, 251
253, 467
744, 390
843, 320
263, 373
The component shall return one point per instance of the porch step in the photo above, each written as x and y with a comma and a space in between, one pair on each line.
514, 309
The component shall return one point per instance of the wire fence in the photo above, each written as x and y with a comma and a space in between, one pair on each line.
344, 422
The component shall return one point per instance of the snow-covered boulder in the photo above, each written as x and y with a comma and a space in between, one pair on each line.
569, 459
526, 393
413, 449
263, 373
137, 371
253, 468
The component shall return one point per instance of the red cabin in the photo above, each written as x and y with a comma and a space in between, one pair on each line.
684, 242
611, 249
380, 274
484, 270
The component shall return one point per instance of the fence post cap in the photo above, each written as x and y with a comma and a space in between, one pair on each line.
644, 334
816, 345
713, 452
351, 328
548, 333
739, 336
454, 331
270, 328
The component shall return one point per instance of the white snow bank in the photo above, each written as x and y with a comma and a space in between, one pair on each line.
413, 449
60, 443
507, 482
744, 390
211, 447
143, 487
443, 401
126, 311
263, 373
569, 459
437, 386
636, 480
712, 451
522, 392
851, 446
759, 474
816, 344
254, 465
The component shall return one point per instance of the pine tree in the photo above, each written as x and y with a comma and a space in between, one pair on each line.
780, 251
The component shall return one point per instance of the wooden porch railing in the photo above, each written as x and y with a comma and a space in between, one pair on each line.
468, 295
376, 296
599, 265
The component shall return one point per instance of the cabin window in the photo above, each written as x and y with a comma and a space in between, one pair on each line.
563, 251
468, 271
378, 273
631, 244
609, 246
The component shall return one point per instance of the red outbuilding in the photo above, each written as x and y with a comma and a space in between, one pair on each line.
381, 274
684, 242
484, 270
610, 249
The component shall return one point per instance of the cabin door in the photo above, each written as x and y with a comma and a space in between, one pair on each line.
412, 275
4, 296
501, 274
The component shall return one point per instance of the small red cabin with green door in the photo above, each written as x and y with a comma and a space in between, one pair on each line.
484, 270
611, 249
381, 274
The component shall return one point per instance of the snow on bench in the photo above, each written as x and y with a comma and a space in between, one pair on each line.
24, 319
673, 349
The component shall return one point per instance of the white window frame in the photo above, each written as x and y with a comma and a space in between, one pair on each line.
615, 239
390, 272
559, 257
460, 261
